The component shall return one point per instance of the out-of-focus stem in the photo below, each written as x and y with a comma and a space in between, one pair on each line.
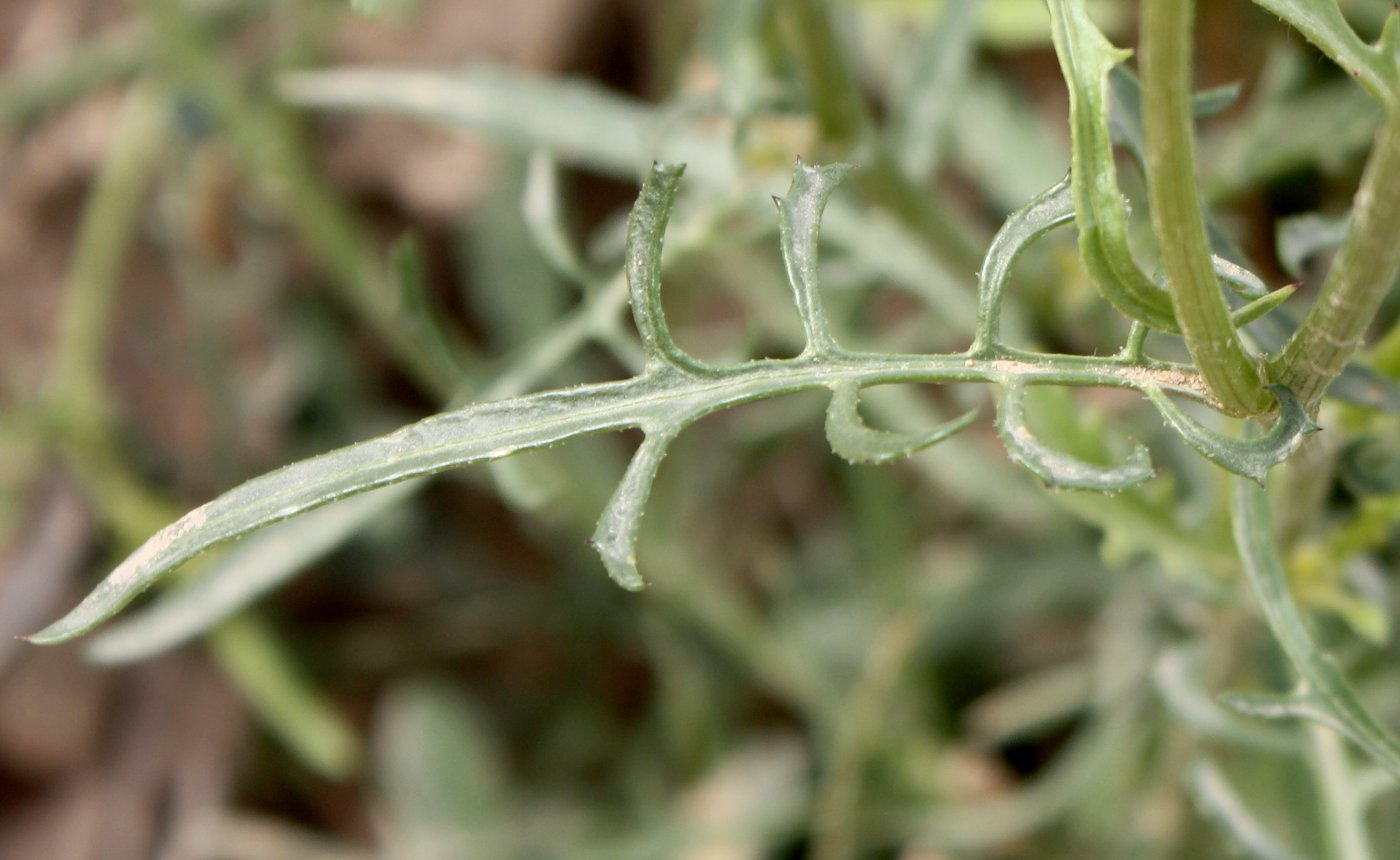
841, 115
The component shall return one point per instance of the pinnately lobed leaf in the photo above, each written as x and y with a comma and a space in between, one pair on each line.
481, 432
673, 391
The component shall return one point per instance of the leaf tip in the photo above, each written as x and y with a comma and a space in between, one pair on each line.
620, 563
55, 634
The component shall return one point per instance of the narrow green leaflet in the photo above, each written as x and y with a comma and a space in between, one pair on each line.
1325, 688
539, 207
1057, 469
258, 565
1248, 313
1050, 209
1252, 458
1322, 23
1284, 706
1086, 57
615, 539
646, 232
854, 440
799, 220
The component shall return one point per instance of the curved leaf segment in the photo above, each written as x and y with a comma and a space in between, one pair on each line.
854, 440
1059, 470
1086, 58
675, 390
1250, 458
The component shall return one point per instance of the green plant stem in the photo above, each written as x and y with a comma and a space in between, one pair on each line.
1361, 275
1342, 812
844, 123
1176, 211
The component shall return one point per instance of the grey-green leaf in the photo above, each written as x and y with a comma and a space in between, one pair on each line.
1048, 210
1238, 278
1057, 469
1125, 109
926, 104
854, 440
646, 233
615, 538
477, 433
1252, 458
438, 773
258, 565
579, 122
1325, 686
799, 225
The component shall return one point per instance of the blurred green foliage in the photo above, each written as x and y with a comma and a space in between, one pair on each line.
933, 658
